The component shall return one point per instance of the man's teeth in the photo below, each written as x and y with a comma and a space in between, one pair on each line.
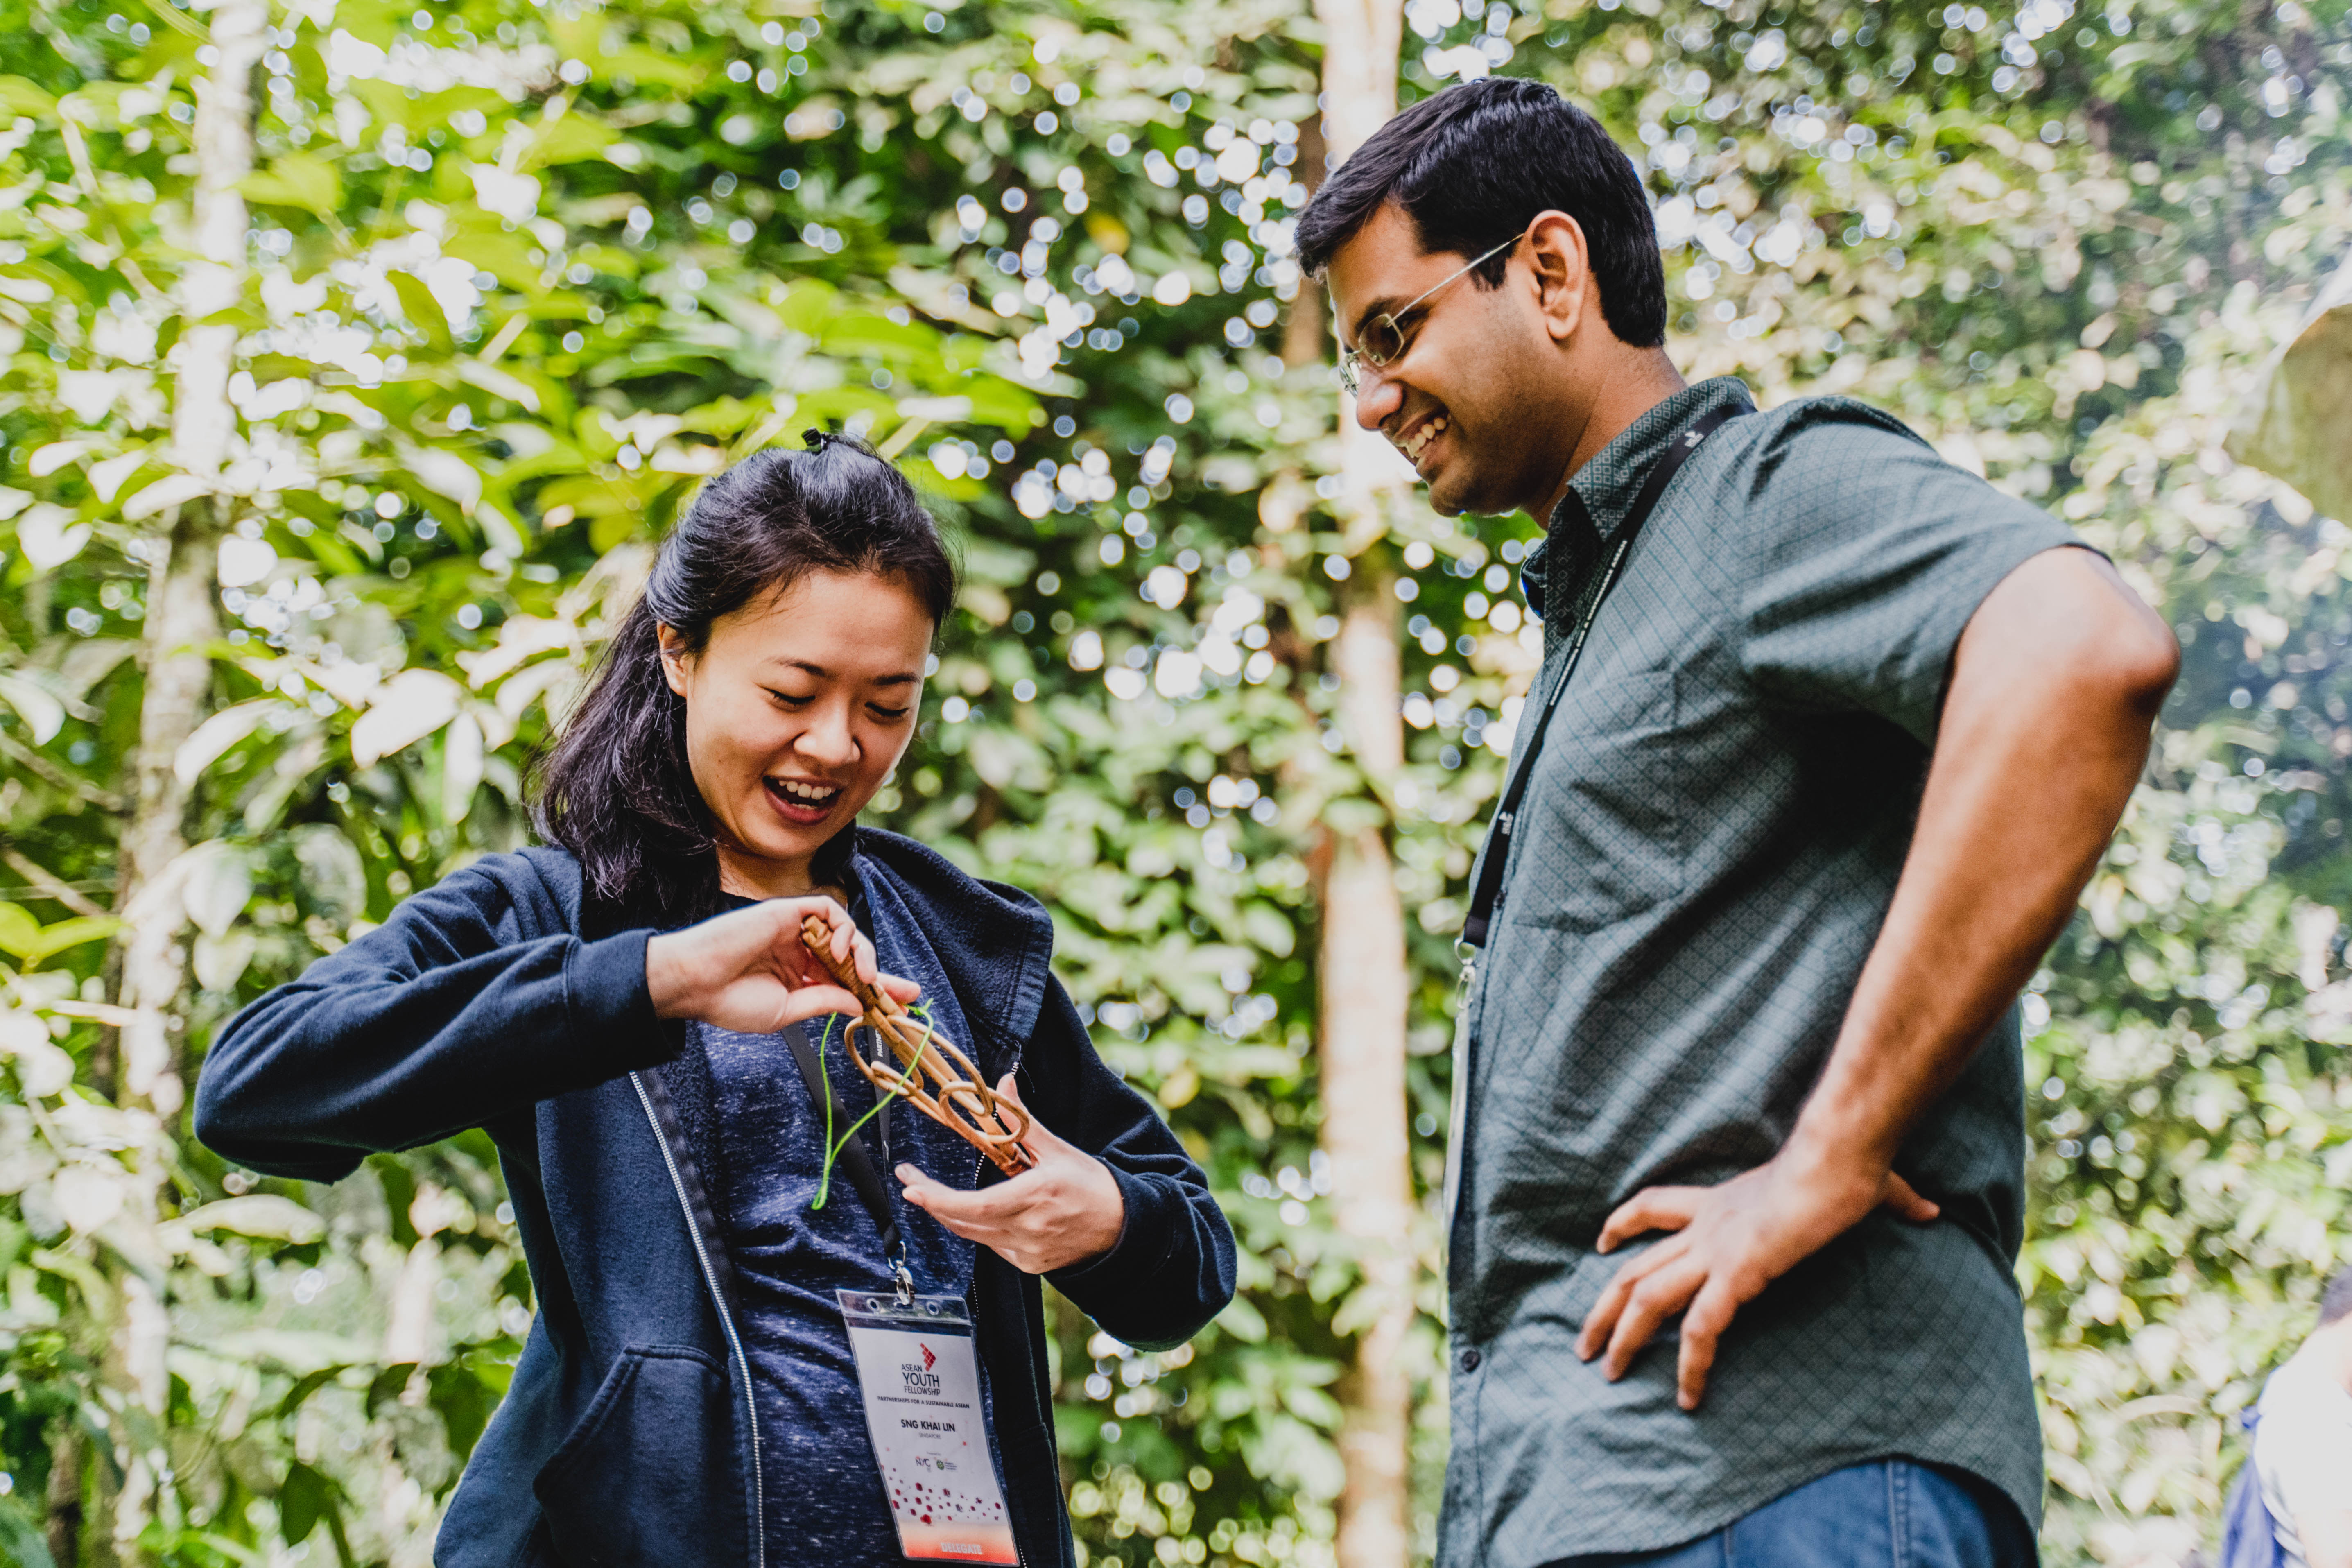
1413, 443
815, 794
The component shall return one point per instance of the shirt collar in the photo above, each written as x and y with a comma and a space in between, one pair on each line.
1605, 488
1600, 494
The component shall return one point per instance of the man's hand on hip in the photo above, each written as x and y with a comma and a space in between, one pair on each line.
1729, 1242
2042, 735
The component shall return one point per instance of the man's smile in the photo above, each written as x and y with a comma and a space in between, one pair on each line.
1415, 440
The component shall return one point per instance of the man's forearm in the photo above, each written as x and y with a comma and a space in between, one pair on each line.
2044, 731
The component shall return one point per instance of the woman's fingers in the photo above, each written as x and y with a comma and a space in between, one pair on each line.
813, 1001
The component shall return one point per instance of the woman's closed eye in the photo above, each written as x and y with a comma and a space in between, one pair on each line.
882, 713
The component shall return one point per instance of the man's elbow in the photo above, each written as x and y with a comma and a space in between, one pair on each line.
2116, 653
2138, 664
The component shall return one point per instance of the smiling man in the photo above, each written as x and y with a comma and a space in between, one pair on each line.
1828, 736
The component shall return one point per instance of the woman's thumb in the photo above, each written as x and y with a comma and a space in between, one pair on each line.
1035, 1134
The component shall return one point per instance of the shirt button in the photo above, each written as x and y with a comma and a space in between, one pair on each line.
1470, 1359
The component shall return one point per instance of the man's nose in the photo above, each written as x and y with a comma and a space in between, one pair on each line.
1376, 399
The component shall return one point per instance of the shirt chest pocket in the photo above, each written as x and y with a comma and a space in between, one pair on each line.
1600, 836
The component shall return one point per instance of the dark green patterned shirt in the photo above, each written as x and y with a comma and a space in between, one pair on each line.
1709, 842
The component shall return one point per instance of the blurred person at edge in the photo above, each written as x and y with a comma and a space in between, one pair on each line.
610, 1008
2303, 1447
1845, 739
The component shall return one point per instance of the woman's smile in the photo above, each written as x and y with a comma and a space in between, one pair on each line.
804, 803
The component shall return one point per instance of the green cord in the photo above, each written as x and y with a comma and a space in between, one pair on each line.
823, 1039
920, 1012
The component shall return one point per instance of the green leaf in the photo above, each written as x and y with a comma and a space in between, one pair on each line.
306, 1385
388, 1385
54, 939
268, 1215
303, 1499
22, 1542
506, 257
20, 933
21, 97
567, 140
423, 310
464, 1403
869, 332
43, 715
1242, 1320
298, 180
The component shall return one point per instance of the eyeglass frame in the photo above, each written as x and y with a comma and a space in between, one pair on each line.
1349, 361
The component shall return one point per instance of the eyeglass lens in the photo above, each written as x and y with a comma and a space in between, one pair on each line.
1383, 340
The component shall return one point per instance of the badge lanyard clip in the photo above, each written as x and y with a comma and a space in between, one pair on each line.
906, 1281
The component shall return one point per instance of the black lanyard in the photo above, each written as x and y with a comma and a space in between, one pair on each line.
1497, 851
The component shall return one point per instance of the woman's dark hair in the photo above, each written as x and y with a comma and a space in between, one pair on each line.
1473, 165
614, 788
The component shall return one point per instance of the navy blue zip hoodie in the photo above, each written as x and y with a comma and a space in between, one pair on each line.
498, 1000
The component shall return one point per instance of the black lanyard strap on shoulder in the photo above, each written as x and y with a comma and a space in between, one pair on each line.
1489, 890
863, 1174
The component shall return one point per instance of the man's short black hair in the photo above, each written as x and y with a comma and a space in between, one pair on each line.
1472, 166
2336, 1301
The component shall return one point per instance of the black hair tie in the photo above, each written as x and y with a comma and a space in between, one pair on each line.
817, 440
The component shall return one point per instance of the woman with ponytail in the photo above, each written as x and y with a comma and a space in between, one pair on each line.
622, 1009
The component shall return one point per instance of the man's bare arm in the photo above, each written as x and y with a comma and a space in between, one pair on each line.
2326, 1536
2045, 729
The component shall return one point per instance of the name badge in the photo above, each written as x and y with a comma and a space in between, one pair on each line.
921, 1383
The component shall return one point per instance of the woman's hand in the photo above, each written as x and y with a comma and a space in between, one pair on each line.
747, 971
1065, 1210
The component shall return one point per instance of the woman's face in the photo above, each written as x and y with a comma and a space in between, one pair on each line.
796, 710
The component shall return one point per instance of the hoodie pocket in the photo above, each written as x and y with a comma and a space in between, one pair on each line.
652, 1473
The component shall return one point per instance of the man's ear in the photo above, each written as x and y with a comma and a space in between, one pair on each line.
674, 658
1561, 264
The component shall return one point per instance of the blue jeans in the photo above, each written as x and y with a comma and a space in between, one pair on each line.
1889, 1513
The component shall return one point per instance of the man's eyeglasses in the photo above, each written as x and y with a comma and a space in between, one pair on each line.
1383, 340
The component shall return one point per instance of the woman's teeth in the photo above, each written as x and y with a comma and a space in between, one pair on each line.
803, 794
1413, 443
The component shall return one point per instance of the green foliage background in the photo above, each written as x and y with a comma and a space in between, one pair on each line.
521, 274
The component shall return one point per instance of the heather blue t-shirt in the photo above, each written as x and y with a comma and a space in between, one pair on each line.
825, 1501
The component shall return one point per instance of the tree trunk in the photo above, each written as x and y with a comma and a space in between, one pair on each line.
66, 1455
183, 622
1364, 1080
183, 617
1362, 963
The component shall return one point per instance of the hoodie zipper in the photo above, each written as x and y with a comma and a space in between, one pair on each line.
726, 1324
1020, 1557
